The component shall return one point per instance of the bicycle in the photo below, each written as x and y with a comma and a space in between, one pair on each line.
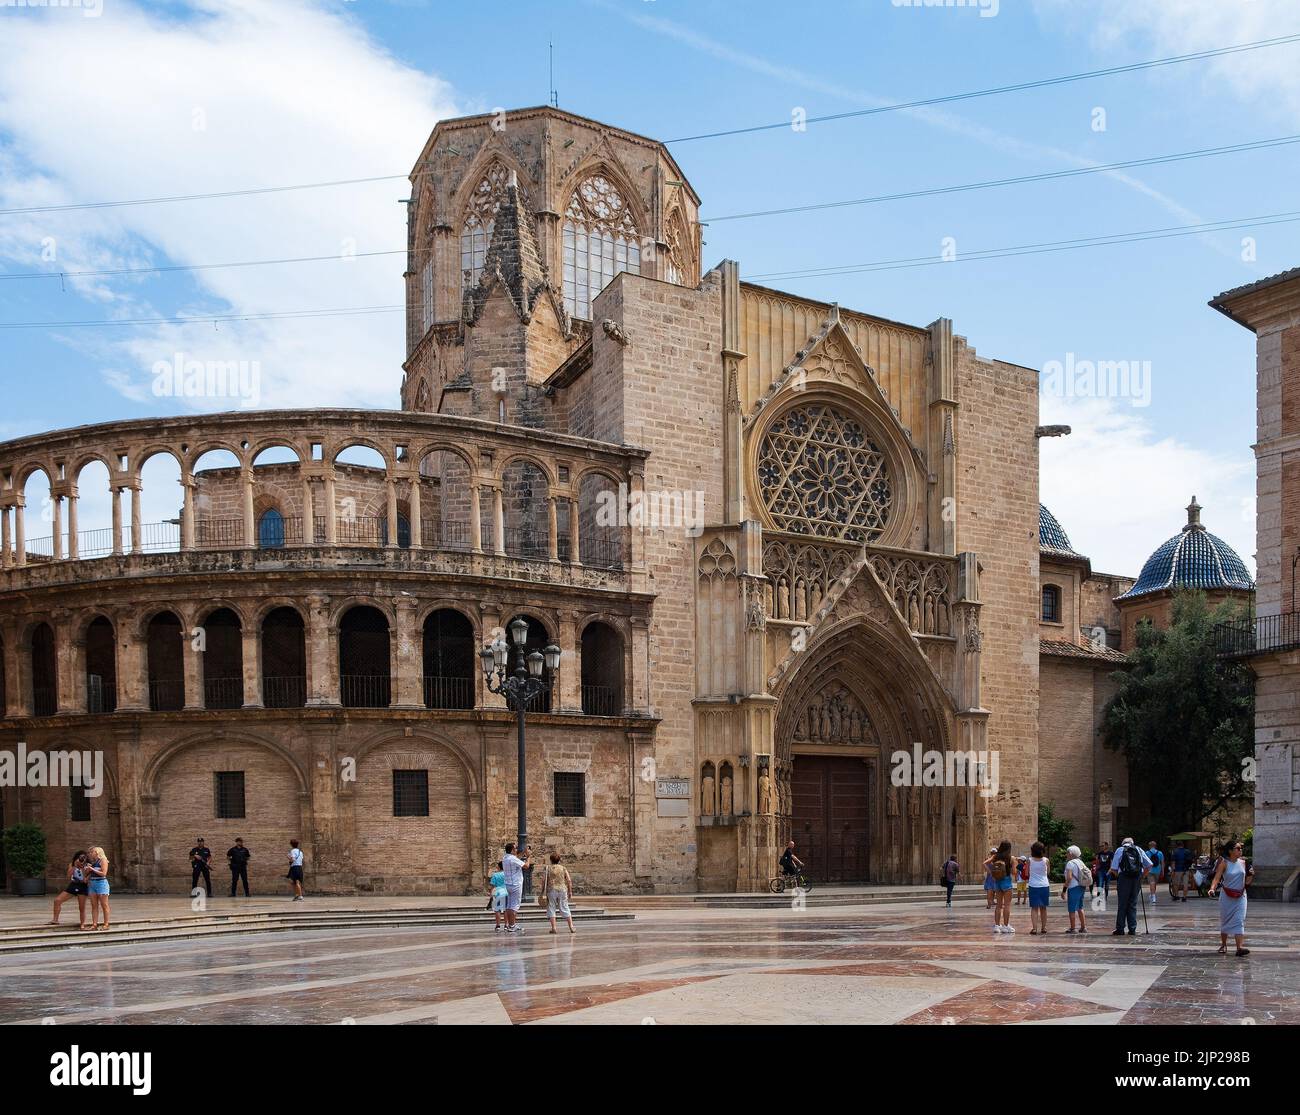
799, 880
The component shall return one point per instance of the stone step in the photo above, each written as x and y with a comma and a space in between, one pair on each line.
182, 928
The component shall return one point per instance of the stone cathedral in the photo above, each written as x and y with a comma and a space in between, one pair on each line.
777, 541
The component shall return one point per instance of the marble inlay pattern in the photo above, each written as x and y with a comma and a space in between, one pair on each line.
910, 964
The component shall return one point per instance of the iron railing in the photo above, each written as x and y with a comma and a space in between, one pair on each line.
366, 690
223, 693
448, 692
284, 692
1245, 638
601, 700
166, 696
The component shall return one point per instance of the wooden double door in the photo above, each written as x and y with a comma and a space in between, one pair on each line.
831, 817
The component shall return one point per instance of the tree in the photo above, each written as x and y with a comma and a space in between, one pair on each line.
1183, 718
1053, 831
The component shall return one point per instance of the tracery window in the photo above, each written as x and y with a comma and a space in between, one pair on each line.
426, 295
600, 240
480, 214
677, 267
820, 473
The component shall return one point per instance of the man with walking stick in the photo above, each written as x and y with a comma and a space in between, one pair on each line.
1129, 865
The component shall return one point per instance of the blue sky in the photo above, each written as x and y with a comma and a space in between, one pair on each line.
167, 98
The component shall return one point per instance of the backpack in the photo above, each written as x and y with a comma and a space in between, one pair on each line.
1023, 871
950, 870
1085, 876
1130, 863
998, 869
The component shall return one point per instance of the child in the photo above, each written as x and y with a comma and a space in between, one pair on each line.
497, 884
1022, 882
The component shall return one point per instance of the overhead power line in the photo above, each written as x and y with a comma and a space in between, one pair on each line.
346, 311
1043, 248
997, 90
1258, 44
335, 257
1074, 172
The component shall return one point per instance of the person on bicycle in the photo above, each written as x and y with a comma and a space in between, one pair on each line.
790, 863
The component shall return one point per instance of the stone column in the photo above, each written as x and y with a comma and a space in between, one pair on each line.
575, 547
137, 510
56, 542
391, 485
74, 543
193, 667
116, 498
322, 665
489, 618
553, 537
20, 532
69, 655
308, 513
252, 646
569, 689
407, 658
331, 512
475, 520
5, 553
417, 521
250, 524
498, 522
132, 666
187, 512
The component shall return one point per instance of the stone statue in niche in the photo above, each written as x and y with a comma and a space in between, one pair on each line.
764, 792
726, 796
708, 802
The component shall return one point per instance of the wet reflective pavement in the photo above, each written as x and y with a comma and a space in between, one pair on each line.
906, 963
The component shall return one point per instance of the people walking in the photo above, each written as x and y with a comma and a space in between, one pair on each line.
1001, 866
1181, 860
949, 875
497, 904
1104, 856
96, 871
1078, 880
557, 885
1040, 888
76, 888
1231, 878
238, 856
990, 891
1157, 858
200, 854
1129, 865
295, 869
514, 868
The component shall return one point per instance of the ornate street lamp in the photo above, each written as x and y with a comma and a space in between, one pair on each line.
518, 688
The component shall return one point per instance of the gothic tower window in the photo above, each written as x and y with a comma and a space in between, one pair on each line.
600, 240
480, 213
821, 473
677, 268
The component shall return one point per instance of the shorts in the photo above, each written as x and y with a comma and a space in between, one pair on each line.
988, 882
1180, 880
1074, 899
1001, 884
1022, 885
514, 895
499, 902
77, 889
99, 887
1039, 897
295, 874
557, 900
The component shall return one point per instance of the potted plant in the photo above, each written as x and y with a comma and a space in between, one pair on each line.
25, 855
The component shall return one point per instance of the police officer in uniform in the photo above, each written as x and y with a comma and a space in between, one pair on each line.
238, 857
199, 856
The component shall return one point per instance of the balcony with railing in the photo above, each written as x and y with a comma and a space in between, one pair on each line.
1247, 638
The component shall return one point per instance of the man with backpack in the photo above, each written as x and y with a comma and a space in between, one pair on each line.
1129, 865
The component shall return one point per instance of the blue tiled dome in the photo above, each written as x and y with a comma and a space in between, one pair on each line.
1193, 558
1052, 539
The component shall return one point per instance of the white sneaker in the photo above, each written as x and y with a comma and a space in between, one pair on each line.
997, 929
1009, 929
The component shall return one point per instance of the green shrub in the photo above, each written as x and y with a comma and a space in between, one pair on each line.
25, 851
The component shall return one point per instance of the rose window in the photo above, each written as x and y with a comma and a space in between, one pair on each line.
820, 473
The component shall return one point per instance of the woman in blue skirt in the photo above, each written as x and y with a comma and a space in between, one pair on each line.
1231, 878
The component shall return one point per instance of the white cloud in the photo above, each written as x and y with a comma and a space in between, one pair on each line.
1114, 451
1269, 79
213, 96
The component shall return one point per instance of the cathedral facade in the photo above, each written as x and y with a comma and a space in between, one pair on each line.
781, 545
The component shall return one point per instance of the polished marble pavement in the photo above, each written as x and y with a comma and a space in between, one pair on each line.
912, 964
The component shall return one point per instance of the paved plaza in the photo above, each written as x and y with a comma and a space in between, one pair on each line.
881, 962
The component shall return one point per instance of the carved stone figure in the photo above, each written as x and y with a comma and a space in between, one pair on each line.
726, 802
708, 802
764, 792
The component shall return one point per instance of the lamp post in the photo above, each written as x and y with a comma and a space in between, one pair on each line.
518, 688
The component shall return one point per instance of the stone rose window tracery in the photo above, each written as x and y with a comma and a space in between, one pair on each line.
480, 214
600, 240
821, 473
